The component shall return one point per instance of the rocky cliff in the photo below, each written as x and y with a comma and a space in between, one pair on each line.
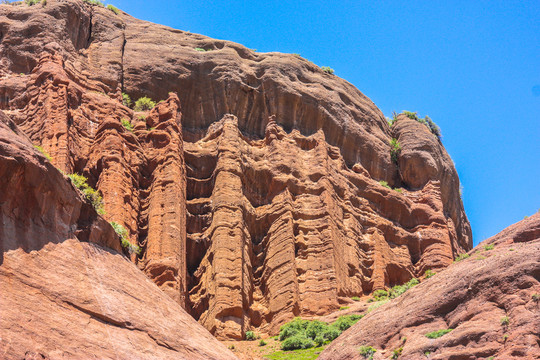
254, 189
489, 301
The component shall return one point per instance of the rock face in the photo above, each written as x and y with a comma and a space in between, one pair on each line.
491, 301
260, 199
67, 293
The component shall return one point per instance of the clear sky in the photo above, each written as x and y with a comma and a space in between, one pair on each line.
472, 66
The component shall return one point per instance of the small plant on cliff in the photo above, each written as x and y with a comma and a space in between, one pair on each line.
367, 352
461, 257
144, 103
535, 297
505, 321
438, 333
489, 247
397, 353
355, 298
346, 321
395, 149
328, 70
43, 152
113, 8
126, 100
94, 2
123, 234
429, 273
411, 115
262, 343
400, 289
32, 2
200, 49
380, 294
435, 130
92, 195
127, 125
385, 184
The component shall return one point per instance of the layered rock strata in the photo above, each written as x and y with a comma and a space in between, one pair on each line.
262, 200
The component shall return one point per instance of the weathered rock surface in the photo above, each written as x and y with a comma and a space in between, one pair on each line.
473, 297
265, 202
67, 293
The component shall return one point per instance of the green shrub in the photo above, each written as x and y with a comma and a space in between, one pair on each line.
505, 321
127, 124
43, 152
429, 273
535, 297
355, 298
385, 184
315, 328
200, 49
113, 8
395, 149
331, 333
319, 340
92, 195
398, 190
379, 295
346, 321
343, 308
505, 337
377, 305
296, 326
262, 343
489, 247
461, 257
367, 352
250, 335
126, 100
123, 234
438, 333
435, 130
32, 2
144, 103
327, 69
297, 342
94, 2
400, 289
397, 353
411, 115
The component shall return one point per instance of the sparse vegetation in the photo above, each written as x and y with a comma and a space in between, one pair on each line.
355, 298
127, 124
480, 257
438, 333
123, 234
113, 8
94, 2
32, 2
395, 149
429, 273
81, 183
343, 308
505, 337
327, 69
411, 115
262, 343
489, 247
535, 297
397, 353
379, 295
200, 49
505, 321
301, 354
43, 152
435, 130
385, 184
461, 257
144, 104
250, 336
367, 352
126, 100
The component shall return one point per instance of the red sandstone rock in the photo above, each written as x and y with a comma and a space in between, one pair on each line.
472, 297
65, 293
279, 190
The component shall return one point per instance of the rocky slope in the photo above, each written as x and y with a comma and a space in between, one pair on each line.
67, 291
491, 300
253, 189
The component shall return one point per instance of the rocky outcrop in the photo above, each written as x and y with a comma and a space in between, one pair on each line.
67, 291
491, 301
261, 199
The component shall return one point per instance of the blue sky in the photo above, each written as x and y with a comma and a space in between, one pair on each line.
472, 66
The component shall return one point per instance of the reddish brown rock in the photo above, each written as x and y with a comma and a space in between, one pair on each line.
67, 293
491, 301
276, 210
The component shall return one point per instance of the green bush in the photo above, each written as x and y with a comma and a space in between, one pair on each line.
367, 352
94, 2
327, 69
113, 8
144, 103
32, 2
200, 49
262, 343
126, 100
297, 342
429, 273
379, 295
395, 149
411, 115
92, 195
489, 247
400, 289
438, 333
43, 152
397, 353
319, 340
355, 298
346, 321
127, 124
435, 130
461, 257
315, 328
293, 328
385, 184
250, 335
505, 321
123, 234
